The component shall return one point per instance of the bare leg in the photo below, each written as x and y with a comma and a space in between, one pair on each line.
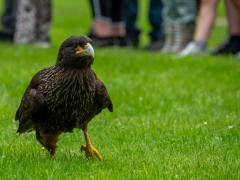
118, 30
233, 16
89, 148
237, 4
206, 19
102, 27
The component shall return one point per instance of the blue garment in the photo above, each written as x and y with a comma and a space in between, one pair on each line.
155, 18
154, 14
8, 18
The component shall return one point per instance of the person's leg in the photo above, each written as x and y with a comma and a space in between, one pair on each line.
101, 26
118, 24
43, 19
205, 22
184, 24
232, 44
130, 14
101, 29
233, 17
155, 18
206, 19
169, 15
156, 21
8, 20
237, 4
25, 31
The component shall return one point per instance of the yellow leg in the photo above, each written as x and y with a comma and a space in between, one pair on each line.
89, 148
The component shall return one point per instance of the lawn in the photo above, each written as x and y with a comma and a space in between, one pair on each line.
173, 118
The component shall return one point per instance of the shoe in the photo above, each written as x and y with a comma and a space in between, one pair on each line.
6, 37
120, 41
132, 39
192, 48
155, 45
169, 37
238, 55
101, 42
182, 36
43, 45
227, 47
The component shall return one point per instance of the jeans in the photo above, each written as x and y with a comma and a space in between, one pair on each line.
154, 14
8, 18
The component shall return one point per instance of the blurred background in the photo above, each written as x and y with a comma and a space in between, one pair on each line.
75, 17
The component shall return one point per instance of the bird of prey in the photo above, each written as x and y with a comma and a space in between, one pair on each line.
63, 97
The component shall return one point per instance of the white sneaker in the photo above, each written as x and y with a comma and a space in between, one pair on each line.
191, 48
43, 44
238, 55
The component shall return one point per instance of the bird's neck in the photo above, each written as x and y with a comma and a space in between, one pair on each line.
83, 62
83, 78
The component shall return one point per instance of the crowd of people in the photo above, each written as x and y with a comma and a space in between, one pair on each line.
177, 26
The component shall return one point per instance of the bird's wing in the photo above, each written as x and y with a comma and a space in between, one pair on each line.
102, 96
32, 100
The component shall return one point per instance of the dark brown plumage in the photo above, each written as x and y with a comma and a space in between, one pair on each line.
63, 97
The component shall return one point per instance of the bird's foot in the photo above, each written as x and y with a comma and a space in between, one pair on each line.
91, 151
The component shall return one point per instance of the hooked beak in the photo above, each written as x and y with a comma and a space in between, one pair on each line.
87, 50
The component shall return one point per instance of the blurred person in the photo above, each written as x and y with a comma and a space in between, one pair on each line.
156, 22
130, 16
179, 23
108, 27
204, 27
232, 44
33, 22
155, 19
237, 4
205, 22
8, 20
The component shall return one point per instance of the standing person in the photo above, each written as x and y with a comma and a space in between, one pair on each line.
8, 20
179, 23
108, 28
206, 20
237, 4
155, 19
130, 17
232, 44
204, 27
33, 22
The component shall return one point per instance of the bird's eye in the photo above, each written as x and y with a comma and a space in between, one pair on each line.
74, 46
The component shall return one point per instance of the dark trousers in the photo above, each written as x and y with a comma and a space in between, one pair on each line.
154, 14
155, 18
111, 9
8, 18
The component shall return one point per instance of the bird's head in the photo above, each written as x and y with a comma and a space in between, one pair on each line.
76, 51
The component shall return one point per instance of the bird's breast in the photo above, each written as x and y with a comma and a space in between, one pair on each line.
70, 99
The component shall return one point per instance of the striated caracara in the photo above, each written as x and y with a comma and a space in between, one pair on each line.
63, 97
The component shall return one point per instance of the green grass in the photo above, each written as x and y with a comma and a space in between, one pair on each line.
173, 118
